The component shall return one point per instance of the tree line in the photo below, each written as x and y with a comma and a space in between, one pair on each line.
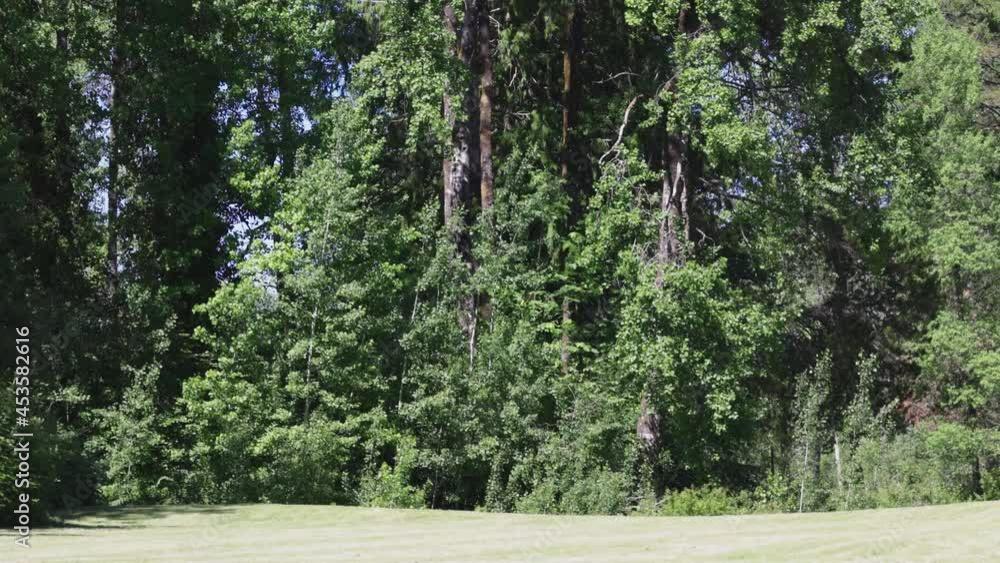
563, 256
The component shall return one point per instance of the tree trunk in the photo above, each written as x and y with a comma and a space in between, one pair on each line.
464, 158
486, 110
486, 98
567, 91
647, 431
113, 163
449, 118
674, 193
571, 33
674, 182
63, 149
802, 479
565, 343
465, 151
836, 459
977, 476
114, 147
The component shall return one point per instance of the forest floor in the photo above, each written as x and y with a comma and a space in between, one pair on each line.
960, 532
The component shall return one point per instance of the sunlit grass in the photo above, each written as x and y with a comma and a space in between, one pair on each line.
962, 532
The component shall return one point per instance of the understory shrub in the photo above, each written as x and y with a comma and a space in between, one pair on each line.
705, 501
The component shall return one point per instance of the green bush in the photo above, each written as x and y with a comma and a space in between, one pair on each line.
991, 484
603, 492
543, 499
778, 493
389, 489
304, 463
704, 501
933, 463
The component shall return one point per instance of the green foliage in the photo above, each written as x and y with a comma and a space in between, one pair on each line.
131, 444
388, 486
925, 465
697, 346
742, 256
706, 501
305, 463
811, 430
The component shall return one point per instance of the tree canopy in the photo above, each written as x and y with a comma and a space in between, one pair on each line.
537, 255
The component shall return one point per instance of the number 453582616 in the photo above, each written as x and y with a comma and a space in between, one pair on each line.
22, 372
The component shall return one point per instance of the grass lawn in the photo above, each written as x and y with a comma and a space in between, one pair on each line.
953, 533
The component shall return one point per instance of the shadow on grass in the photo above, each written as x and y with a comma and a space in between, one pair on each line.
124, 517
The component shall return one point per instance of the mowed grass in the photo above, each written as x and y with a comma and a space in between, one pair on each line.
952, 533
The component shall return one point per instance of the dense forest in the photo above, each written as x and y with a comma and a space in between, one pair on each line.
564, 256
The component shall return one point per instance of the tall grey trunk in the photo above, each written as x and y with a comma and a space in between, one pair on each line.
836, 459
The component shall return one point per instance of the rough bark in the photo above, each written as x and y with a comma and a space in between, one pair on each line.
464, 148
460, 172
648, 432
486, 96
674, 197
673, 207
674, 183
486, 102
570, 38
647, 428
